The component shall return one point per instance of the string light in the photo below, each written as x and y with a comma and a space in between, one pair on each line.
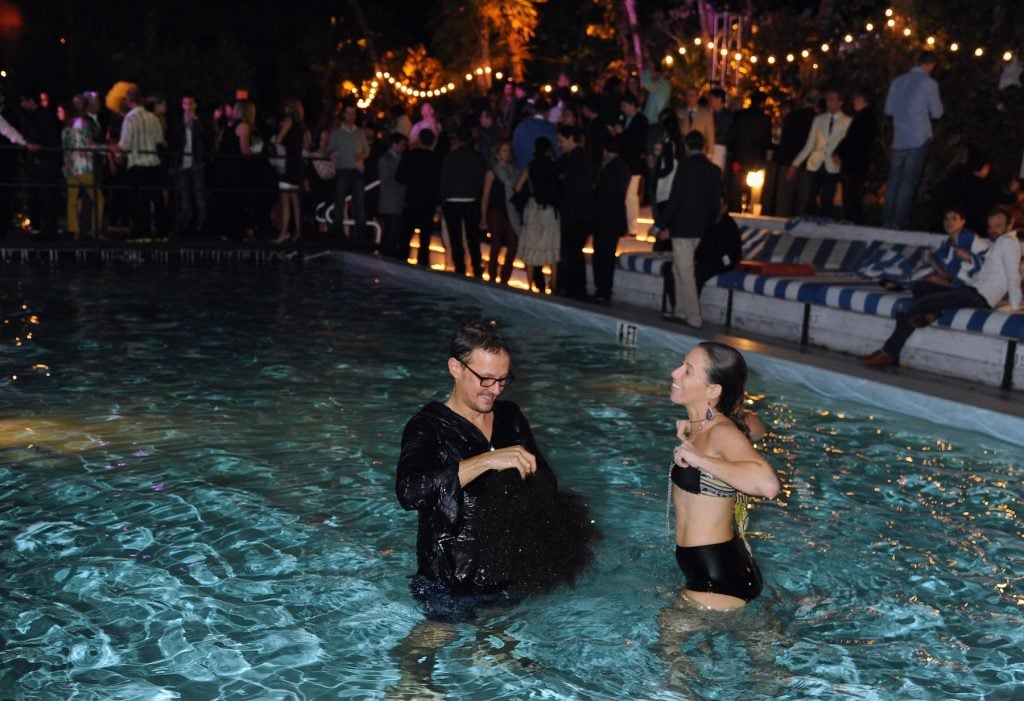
848, 38
906, 31
682, 50
979, 52
954, 46
805, 53
1008, 56
753, 59
824, 48
790, 58
697, 41
738, 56
888, 12
891, 23
870, 27
930, 41
771, 60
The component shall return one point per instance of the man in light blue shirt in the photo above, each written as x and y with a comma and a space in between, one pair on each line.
659, 91
529, 130
913, 102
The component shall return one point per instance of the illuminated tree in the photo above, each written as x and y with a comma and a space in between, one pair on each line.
515, 21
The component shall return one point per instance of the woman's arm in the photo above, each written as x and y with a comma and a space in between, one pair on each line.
286, 125
523, 177
244, 138
488, 182
734, 461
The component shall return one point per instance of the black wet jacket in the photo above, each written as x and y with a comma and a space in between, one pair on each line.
500, 532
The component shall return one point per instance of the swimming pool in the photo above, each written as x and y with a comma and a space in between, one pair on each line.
196, 473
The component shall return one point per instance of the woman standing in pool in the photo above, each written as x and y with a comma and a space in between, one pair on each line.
713, 463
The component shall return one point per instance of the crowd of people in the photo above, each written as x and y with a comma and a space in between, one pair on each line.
536, 173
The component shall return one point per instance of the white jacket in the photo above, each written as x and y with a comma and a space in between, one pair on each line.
821, 144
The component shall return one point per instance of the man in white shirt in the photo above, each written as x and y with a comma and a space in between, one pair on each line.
141, 133
998, 279
817, 188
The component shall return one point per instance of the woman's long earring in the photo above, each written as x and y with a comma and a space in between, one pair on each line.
710, 414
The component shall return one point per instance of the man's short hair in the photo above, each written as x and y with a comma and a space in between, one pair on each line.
956, 209
395, 138
477, 335
541, 105
568, 131
717, 92
866, 93
927, 58
427, 137
134, 96
613, 144
1002, 212
630, 99
694, 141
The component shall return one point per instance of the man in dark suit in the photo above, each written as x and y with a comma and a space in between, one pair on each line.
420, 172
633, 132
609, 218
691, 210
795, 127
750, 140
854, 152
575, 209
189, 142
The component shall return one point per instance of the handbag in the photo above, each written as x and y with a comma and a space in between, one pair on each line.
520, 198
324, 166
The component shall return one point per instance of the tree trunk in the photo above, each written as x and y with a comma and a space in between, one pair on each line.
357, 12
634, 33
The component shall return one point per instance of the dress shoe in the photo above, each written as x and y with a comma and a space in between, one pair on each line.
879, 359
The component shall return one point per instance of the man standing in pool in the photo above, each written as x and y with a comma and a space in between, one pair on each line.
493, 525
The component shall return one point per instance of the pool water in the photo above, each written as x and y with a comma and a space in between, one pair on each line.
197, 502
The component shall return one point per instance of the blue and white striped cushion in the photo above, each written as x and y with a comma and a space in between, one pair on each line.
868, 299
649, 263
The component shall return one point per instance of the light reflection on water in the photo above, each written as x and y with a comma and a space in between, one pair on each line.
198, 503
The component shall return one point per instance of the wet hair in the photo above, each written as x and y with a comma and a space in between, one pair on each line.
728, 369
477, 335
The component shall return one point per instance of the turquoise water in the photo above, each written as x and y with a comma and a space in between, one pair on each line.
196, 502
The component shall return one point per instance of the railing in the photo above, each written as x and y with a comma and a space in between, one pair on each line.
41, 171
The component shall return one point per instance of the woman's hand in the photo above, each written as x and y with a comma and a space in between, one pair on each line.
685, 454
683, 429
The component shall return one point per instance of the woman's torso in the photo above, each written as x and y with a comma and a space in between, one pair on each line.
702, 519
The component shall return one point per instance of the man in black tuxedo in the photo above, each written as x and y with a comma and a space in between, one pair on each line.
854, 152
691, 210
575, 209
610, 222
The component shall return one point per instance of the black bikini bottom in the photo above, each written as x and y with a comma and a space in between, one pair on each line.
722, 568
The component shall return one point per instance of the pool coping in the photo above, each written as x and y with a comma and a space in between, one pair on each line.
998, 413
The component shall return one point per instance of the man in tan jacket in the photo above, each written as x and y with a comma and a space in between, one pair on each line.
694, 117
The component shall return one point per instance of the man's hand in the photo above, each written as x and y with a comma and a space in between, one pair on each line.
515, 457
791, 173
837, 160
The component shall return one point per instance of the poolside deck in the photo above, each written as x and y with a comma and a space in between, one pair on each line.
22, 248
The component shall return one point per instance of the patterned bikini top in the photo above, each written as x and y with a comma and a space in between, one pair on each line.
695, 481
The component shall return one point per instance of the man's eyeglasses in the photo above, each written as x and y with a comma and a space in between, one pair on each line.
490, 381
